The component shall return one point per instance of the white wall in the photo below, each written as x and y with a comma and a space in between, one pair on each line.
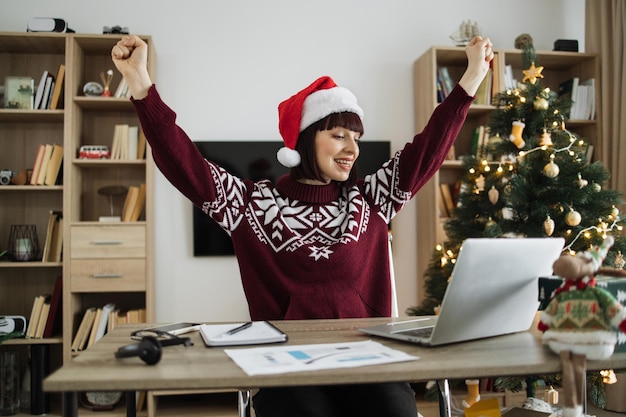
225, 65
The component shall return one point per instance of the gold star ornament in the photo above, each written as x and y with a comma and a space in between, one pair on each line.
532, 73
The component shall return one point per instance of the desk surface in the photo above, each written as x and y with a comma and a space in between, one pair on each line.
199, 367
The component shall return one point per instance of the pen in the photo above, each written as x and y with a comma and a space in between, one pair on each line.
238, 329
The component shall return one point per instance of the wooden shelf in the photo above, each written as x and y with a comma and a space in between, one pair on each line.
82, 121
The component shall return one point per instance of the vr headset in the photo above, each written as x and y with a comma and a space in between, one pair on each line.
10, 324
47, 24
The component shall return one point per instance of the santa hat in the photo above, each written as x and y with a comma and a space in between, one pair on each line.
320, 99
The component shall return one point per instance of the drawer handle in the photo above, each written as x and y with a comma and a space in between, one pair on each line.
107, 242
113, 275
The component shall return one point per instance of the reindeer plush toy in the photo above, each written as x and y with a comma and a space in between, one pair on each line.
580, 321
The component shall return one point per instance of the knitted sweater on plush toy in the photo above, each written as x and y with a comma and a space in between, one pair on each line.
581, 317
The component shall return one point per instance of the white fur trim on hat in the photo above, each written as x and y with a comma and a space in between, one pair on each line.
288, 157
322, 103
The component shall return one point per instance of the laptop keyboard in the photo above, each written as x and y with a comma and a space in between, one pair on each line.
422, 332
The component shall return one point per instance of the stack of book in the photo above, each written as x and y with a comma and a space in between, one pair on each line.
129, 143
45, 318
48, 166
97, 321
49, 93
583, 98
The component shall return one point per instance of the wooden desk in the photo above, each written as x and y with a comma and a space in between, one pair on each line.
199, 367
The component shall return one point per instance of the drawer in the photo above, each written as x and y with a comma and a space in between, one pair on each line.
108, 241
107, 275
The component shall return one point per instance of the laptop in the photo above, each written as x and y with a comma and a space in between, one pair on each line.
493, 290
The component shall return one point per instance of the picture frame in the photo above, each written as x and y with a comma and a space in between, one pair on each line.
19, 92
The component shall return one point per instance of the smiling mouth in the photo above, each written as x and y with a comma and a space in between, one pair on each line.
344, 163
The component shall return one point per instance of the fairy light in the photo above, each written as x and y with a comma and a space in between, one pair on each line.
603, 229
608, 377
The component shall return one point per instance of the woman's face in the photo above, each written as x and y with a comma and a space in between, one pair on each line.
336, 150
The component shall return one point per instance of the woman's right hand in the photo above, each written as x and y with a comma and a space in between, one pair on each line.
130, 56
479, 56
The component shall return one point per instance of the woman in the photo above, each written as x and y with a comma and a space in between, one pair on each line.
314, 244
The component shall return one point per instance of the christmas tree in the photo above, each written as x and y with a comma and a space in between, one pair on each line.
532, 177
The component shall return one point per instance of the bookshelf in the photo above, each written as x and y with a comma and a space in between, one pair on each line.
559, 67
102, 262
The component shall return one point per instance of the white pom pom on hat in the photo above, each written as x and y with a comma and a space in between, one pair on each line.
320, 99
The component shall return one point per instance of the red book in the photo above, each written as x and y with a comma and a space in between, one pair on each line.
54, 318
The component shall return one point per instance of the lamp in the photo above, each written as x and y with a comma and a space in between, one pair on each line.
23, 243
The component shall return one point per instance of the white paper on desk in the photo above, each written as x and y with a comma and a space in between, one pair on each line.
283, 359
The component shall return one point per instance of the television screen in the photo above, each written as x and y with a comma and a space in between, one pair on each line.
256, 160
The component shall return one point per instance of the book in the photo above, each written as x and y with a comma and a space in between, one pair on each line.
43, 317
254, 333
122, 89
483, 94
39, 365
45, 99
443, 210
54, 318
35, 313
40, 88
568, 91
495, 70
133, 141
94, 327
141, 145
81, 336
446, 195
140, 204
41, 177
129, 203
104, 320
119, 149
446, 80
53, 169
56, 100
56, 242
52, 223
41, 149
590, 102
124, 134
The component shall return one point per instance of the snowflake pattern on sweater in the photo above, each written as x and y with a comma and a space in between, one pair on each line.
287, 224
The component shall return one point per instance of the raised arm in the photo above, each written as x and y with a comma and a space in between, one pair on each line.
130, 56
479, 56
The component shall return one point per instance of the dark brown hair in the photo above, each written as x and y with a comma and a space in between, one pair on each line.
308, 168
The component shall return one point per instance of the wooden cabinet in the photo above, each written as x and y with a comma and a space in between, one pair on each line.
102, 262
558, 67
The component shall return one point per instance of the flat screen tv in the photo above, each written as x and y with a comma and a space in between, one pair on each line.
256, 160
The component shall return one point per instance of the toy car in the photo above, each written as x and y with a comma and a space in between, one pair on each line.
94, 152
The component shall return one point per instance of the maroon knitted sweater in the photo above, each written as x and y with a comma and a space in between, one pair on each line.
305, 251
